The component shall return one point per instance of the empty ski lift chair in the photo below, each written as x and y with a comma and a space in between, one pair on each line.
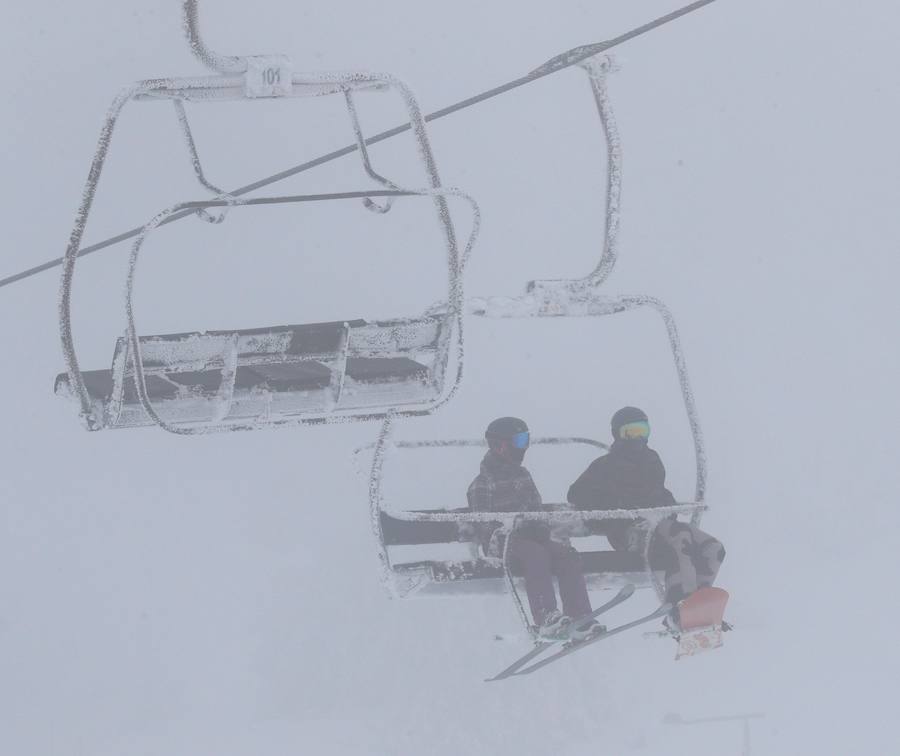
292, 374
396, 531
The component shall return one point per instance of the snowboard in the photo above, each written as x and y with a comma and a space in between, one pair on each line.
700, 618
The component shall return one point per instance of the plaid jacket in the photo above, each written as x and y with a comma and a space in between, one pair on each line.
502, 486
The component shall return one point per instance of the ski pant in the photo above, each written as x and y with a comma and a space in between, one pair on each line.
689, 557
538, 562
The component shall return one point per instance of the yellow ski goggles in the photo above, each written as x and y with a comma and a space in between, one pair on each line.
639, 429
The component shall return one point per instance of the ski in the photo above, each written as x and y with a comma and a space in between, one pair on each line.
542, 645
570, 647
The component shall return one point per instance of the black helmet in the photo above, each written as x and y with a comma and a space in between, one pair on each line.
509, 437
504, 428
625, 416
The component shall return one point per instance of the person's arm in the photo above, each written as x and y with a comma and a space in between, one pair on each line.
481, 494
588, 491
529, 500
666, 497
481, 499
532, 501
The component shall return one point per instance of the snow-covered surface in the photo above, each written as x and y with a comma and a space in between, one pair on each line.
219, 595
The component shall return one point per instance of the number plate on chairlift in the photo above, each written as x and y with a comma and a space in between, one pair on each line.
268, 76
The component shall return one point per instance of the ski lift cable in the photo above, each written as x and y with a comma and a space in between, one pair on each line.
568, 59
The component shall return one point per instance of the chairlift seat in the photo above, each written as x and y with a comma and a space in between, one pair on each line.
384, 370
441, 577
302, 376
218, 376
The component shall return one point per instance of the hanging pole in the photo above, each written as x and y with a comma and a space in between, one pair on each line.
225, 64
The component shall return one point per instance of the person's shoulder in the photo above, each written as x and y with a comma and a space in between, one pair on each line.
601, 461
481, 480
525, 473
482, 476
654, 454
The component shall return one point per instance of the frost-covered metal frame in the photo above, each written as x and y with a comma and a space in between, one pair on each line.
232, 83
564, 301
557, 298
279, 372
583, 297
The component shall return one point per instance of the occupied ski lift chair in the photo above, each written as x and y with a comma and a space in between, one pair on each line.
563, 298
442, 531
582, 297
311, 373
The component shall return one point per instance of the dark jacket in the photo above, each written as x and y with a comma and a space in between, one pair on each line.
504, 486
630, 476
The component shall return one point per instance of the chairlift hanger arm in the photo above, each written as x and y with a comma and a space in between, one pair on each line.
190, 18
560, 62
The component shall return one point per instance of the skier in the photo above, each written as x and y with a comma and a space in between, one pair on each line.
632, 476
504, 485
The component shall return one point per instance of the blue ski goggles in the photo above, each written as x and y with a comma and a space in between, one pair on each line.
521, 440
640, 429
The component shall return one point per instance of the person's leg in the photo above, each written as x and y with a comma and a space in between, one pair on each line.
674, 547
532, 561
708, 555
566, 564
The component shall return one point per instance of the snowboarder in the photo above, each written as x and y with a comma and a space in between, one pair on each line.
504, 485
632, 476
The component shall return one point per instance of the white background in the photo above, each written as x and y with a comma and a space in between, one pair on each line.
161, 595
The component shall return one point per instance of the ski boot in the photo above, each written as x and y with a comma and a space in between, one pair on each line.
555, 626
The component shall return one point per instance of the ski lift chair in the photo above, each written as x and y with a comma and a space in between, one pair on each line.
209, 381
448, 534
436, 529
582, 298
